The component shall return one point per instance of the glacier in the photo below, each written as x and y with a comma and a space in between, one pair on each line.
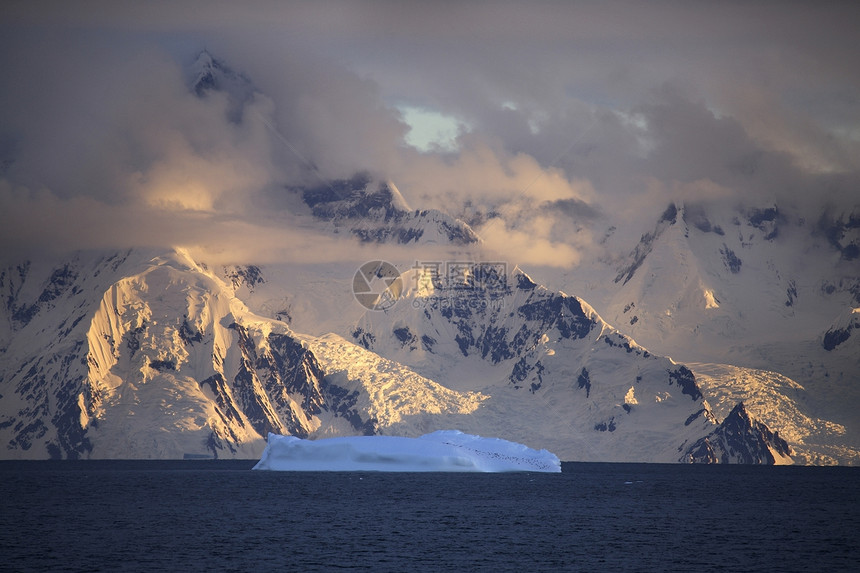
440, 451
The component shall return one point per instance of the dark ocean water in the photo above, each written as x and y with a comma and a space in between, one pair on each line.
220, 516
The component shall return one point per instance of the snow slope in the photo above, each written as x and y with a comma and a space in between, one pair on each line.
781, 403
555, 372
136, 356
757, 288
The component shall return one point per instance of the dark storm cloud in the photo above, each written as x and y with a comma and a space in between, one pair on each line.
575, 114
648, 102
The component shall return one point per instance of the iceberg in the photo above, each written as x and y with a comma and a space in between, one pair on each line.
442, 451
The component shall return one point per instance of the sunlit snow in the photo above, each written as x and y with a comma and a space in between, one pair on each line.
442, 451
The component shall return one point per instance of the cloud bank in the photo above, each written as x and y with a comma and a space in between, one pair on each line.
577, 118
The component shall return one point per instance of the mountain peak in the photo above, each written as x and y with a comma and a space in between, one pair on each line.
647, 243
209, 74
524, 281
397, 199
204, 72
741, 439
376, 212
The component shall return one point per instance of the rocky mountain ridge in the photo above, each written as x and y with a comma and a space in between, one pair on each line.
139, 356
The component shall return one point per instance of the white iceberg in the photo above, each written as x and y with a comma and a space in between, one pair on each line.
442, 451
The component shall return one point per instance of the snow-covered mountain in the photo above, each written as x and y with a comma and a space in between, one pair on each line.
209, 75
378, 213
139, 356
558, 372
154, 354
759, 288
706, 275
370, 210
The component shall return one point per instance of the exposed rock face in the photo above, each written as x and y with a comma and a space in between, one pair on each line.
551, 352
739, 440
374, 212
